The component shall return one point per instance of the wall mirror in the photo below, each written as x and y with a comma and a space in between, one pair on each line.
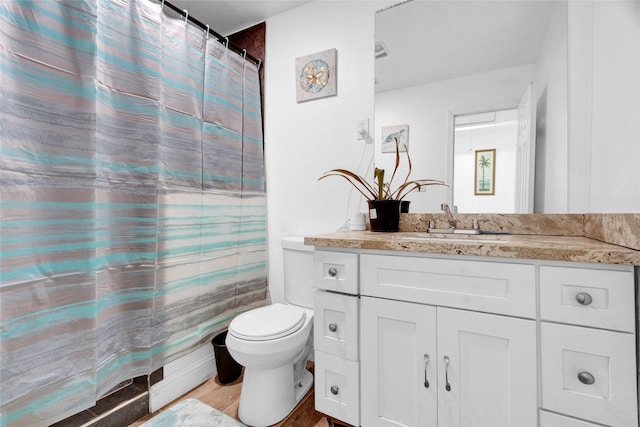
456, 72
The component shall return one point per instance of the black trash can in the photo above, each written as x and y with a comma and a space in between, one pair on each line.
228, 369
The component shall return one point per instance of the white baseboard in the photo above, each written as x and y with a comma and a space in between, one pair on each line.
182, 375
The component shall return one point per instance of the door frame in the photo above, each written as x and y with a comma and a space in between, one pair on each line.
450, 121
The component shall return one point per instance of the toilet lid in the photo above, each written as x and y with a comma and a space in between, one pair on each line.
267, 323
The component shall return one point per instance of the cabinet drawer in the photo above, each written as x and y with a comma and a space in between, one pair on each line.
588, 297
335, 326
549, 419
589, 374
336, 271
337, 387
500, 288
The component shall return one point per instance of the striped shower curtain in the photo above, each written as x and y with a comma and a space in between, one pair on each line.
132, 198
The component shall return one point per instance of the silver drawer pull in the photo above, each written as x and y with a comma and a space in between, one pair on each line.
334, 390
426, 365
447, 384
584, 298
586, 378
333, 327
333, 272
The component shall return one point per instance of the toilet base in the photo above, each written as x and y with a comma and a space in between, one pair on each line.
268, 396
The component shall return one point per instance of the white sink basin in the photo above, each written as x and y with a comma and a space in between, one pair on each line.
446, 238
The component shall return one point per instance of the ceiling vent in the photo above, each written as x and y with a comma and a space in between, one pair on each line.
381, 50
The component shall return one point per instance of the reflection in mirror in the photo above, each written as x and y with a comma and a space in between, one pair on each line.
437, 60
476, 176
512, 190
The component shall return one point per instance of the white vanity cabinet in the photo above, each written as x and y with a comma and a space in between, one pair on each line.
430, 364
588, 345
336, 330
461, 341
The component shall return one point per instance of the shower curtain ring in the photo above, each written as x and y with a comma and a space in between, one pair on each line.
162, 5
226, 42
244, 53
259, 63
186, 15
207, 31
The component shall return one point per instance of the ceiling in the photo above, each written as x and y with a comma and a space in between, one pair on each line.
429, 41
226, 17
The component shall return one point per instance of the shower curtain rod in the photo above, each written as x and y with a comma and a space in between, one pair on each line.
221, 38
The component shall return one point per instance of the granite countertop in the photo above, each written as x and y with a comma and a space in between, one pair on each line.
523, 246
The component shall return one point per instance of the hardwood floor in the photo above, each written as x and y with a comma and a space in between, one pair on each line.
226, 398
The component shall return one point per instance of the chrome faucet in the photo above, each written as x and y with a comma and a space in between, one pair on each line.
475, 227
448, 215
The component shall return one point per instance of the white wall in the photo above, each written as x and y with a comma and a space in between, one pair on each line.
604, 106
551, 182
304, 140
615, 157
181, 375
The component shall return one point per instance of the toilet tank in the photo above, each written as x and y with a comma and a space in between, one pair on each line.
298, 271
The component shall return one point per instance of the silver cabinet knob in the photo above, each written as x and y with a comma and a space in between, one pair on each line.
334, 390
333, 272
333, 327
584, 298
586, 378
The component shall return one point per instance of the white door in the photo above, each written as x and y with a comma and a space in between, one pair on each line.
398, 372
486, 370
526, 152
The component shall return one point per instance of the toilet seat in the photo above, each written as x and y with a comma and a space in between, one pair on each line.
268, 323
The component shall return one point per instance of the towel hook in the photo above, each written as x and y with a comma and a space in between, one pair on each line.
186, 15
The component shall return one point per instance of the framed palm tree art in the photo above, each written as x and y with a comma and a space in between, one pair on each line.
485, 173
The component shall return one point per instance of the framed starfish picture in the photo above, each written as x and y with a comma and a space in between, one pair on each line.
316, 75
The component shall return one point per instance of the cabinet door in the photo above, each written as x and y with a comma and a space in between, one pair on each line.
489, 363
337, 383
336, 271
589, 373
335, 324
588, 297
398, 345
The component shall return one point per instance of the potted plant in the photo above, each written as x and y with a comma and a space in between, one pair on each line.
383, 198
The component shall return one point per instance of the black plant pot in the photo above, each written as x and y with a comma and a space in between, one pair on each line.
384, 215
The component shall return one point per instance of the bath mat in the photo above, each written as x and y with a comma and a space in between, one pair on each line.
192, 413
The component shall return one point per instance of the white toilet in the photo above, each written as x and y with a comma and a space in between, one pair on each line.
274, 342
